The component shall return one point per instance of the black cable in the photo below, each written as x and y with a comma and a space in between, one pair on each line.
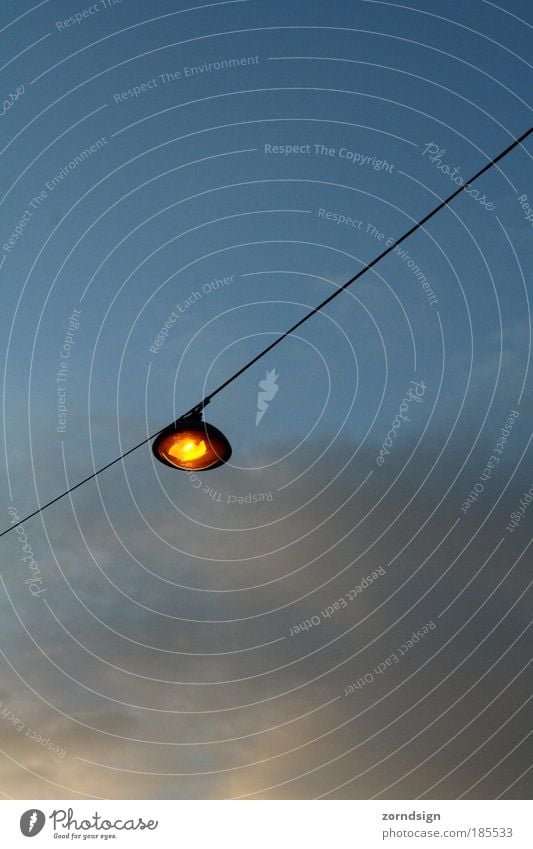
197, 409
367, 267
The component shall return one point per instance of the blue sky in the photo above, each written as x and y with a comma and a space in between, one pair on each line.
169, 603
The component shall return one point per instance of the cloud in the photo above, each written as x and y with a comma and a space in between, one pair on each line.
169, 648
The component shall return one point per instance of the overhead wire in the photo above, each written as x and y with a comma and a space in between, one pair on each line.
198, 408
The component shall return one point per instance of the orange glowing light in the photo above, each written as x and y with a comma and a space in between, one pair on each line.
192, 445
187, 447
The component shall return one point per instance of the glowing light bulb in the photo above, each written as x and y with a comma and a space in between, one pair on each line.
183, 450
192, 444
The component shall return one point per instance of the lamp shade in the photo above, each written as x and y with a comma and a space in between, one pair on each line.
192, 445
